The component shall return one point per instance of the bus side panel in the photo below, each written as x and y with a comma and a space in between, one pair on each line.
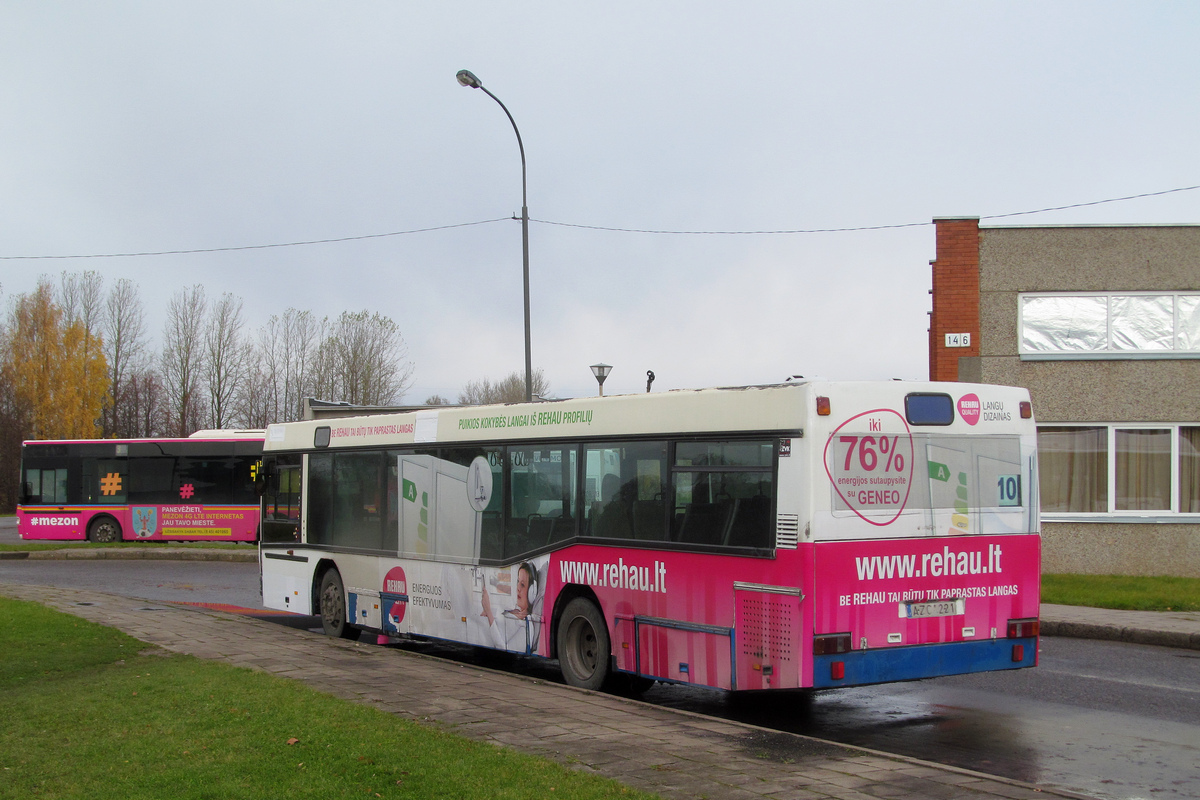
972, 587
42, 522
287, 579
677, 616
177, 522
143, 522
67, 522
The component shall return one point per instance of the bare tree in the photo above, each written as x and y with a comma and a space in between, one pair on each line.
142, 410
305, 333
510, 389
254, 402
123, 325
363, 360
81, 298
224, 358
286, 357
183, 359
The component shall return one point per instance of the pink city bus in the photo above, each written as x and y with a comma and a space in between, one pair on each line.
201, 488
804, 535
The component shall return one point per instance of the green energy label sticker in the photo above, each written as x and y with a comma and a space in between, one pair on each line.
869, 461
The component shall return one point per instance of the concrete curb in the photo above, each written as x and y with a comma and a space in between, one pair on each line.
1118, 633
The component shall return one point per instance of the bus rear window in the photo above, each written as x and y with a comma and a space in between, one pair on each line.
929, 409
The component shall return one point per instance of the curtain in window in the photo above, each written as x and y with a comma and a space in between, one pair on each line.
1189, 470
1073, 463
1143, 470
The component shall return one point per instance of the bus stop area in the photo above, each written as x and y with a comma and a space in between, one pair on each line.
672, 753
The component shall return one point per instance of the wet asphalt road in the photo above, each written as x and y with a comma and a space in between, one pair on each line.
1107, 719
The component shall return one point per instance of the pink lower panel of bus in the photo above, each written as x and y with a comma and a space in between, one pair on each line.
729, 622
143, 522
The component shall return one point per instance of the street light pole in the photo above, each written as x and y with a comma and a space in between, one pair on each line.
466, 78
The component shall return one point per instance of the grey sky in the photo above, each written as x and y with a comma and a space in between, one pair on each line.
132, 127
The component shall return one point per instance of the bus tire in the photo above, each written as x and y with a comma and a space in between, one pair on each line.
332, 600
583, 645
104, 530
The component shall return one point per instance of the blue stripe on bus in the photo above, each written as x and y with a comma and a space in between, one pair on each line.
922, 661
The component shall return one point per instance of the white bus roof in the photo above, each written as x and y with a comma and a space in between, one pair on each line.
780, 408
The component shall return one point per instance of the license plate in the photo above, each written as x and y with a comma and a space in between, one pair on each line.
935, 608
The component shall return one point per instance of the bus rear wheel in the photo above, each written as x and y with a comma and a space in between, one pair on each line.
104, 530
583, 646
332, 599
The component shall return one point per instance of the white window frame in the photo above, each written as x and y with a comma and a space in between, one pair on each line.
1171, 515
1109, 352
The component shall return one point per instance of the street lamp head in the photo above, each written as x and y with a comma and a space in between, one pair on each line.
601, 372
467, 78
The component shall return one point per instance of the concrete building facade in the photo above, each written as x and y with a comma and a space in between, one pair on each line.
1102, 325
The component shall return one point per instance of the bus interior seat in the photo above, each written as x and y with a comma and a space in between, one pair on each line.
705, 523
540, 529
648, 519
749, 525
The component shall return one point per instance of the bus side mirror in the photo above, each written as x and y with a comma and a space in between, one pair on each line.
27, 495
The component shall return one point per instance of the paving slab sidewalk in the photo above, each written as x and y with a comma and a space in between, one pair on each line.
672, 753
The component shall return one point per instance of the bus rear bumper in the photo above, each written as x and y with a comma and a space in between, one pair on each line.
884, 665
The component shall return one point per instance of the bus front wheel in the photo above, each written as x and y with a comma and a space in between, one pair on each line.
104, 530
583, 648
332, 599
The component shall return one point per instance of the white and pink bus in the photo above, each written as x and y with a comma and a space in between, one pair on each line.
803, 535
201, 488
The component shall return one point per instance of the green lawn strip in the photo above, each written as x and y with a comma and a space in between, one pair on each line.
1128, 592
121, 720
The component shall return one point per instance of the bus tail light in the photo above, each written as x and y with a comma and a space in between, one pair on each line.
831, 644
837, 670
1026, 409
1022, 628
822, 406
1018, 653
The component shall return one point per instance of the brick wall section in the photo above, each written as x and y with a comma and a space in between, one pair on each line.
955, 295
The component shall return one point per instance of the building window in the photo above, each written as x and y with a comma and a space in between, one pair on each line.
1150, 470
1098, 325
1189, 470
1073, 465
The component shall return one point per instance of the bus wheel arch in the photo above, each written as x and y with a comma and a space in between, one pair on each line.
104, 529
582, 642
330, 602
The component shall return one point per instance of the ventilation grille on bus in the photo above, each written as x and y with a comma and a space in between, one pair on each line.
787, 531
767, 627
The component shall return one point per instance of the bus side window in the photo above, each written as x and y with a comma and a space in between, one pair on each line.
542, 501
723, 493
358, 498
319, 522
625, 491
31, 489
105, 480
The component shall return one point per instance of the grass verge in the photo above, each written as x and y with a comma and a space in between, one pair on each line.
33, 546
1130, 592
92, 713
